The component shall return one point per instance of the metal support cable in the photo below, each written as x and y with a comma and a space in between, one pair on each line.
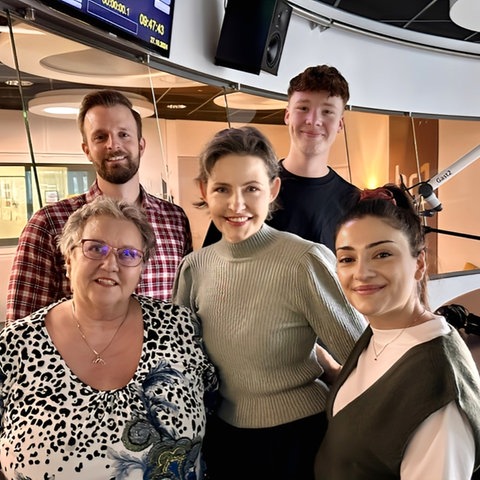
24, 109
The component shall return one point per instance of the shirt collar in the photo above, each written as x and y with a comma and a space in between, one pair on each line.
95, 192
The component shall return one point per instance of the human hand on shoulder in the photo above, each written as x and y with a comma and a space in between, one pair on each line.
331, 368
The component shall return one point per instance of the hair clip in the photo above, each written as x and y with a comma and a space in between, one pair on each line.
380, 193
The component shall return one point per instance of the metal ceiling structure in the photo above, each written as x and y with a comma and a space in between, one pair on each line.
429, 17
423, 16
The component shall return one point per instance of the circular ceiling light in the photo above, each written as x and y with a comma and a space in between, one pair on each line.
60, 58
176, 106
16, 83
245, 101
65, 103
466, 14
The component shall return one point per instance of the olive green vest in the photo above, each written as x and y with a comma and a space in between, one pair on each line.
367, 439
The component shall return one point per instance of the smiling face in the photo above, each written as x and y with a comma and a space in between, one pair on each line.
112, 144
238, 193
103, 282
377, 272
313, 119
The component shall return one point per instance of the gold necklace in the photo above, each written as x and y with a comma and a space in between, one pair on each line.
97, 360
377, 354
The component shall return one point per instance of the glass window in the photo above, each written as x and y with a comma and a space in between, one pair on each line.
19, 192
13, 205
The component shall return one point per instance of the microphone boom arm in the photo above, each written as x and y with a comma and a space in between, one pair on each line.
456, 167
427, 188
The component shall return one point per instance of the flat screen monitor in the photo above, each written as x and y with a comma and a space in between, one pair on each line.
144, 22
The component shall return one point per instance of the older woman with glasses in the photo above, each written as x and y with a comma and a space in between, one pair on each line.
105, 384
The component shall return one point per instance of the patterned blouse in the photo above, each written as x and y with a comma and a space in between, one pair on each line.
54, 426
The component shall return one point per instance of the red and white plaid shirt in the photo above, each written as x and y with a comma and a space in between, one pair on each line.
38, 273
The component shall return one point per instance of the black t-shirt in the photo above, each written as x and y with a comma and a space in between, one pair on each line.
308, 207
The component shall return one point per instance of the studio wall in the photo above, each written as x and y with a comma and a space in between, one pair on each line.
383, 74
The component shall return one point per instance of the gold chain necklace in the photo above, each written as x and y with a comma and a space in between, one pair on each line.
98, 360
398, 335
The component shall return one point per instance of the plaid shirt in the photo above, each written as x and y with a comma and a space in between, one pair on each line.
38, 273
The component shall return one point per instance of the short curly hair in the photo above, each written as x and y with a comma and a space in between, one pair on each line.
318, 78
105, 206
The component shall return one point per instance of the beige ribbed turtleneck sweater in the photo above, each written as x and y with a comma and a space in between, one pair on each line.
262, 303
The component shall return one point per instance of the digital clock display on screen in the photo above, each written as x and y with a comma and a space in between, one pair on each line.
146, 22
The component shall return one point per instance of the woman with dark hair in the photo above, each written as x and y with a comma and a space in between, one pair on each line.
406, 404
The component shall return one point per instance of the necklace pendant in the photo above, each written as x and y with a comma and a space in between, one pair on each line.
99, 360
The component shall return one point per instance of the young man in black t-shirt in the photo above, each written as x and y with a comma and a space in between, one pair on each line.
312, 196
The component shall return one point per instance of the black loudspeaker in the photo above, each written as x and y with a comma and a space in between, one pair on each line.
252, 36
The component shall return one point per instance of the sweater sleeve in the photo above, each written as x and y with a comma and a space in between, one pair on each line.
337, 324
182, 291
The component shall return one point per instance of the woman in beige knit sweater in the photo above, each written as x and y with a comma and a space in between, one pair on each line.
264, 298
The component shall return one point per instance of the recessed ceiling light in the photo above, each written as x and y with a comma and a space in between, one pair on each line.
65, 103
61, 110
63, 59
246, 101
16, 83
17, 30
176, 106
466, 14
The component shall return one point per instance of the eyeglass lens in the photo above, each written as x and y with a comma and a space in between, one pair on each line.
95, 250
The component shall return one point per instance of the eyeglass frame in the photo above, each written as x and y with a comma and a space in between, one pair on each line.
115, 250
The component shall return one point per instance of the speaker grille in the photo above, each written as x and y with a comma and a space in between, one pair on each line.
276, 37
253, 34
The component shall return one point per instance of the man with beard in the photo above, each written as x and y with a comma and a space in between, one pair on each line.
313, 197
112, 140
